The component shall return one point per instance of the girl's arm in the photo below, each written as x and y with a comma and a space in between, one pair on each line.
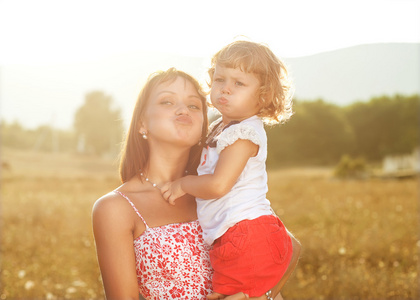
113, 233
232, 161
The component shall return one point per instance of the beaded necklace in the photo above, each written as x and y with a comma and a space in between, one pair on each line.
154, 184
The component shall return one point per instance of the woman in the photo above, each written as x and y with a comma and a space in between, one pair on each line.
170, 259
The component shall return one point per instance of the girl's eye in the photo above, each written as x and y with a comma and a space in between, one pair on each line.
239, 83
218, 79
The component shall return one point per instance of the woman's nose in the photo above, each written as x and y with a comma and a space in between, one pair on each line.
181, 109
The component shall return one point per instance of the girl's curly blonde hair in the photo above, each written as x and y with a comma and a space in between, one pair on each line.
275, 90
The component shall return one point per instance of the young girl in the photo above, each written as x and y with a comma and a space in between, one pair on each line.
251, 247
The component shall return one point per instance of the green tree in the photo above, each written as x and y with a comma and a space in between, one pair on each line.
318, 133
13, 135
385, 125
43, 138
98, 125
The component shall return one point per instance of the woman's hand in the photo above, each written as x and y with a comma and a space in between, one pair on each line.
238, 296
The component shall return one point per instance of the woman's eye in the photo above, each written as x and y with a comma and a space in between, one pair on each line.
166, 101
195, 107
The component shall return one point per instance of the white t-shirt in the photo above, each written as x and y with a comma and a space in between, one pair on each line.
247, 198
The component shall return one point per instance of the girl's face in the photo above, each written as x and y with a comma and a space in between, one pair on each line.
234, 93
174, 114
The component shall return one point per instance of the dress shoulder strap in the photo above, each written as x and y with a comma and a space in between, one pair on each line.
135, 208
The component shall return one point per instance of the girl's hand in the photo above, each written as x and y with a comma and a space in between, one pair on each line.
172, 191
238, 296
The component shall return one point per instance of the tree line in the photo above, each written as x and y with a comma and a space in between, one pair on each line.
319, 133
97, 129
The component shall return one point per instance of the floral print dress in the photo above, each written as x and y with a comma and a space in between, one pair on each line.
172, 261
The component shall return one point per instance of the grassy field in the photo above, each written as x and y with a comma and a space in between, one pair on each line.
360, 239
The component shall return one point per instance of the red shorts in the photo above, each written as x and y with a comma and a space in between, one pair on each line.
251, 257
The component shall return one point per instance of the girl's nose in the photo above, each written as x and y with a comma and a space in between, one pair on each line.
225, 89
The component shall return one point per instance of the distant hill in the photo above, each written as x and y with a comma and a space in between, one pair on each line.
357, 73
43, 94
346, 75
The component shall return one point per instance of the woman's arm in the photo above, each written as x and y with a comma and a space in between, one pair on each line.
232, 161
113, 232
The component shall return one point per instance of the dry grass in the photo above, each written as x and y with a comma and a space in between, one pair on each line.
47, 248
360, 238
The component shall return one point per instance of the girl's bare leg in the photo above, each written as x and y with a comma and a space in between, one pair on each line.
293, 262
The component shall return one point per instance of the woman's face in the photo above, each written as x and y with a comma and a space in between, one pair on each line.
174, 114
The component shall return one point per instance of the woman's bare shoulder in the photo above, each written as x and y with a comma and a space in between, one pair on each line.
113, 217
107, 201
111, 206
115, 204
